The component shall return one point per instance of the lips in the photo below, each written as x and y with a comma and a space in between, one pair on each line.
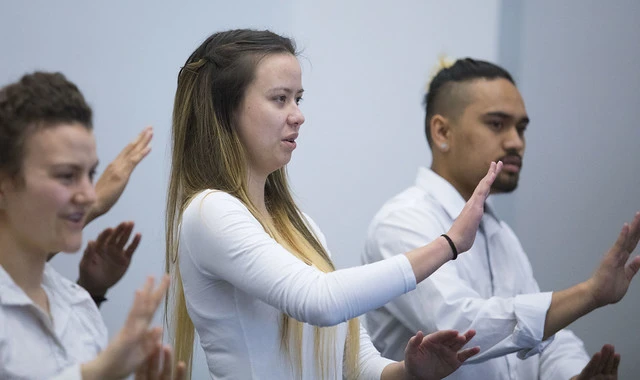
291, 138
511, 163
512, 160
75, 217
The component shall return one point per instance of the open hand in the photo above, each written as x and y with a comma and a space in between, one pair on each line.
159, 366
610, 281
114, 179
437, 355
135, 342
602, 366
106, 259
463, 231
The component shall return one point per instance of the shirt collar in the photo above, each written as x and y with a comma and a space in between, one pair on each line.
12, 294
451, 200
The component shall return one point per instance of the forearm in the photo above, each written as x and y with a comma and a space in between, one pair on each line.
93, 370
567, 306
395, 371
427, 259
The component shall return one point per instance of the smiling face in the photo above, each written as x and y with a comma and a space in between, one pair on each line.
43, 208
268, 119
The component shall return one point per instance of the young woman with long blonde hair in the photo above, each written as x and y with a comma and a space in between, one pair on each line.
251, 271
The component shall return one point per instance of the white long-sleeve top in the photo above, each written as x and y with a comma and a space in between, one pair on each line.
238, 281
34, 345
490, 288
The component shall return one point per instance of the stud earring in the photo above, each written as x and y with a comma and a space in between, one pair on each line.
444, 146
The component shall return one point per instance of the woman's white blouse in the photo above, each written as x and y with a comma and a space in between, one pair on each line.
238, 281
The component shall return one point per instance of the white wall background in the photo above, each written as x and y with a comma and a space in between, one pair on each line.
365, 65
577, 66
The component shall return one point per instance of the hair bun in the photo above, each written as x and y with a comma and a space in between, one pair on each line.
444, 62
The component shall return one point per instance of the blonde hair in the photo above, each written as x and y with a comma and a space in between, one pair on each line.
444, 62
207, 154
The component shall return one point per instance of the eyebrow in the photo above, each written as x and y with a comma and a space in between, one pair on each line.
286, 89
504, 115
75, 166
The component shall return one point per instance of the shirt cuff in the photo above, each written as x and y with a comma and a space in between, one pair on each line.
407, 272
531, 313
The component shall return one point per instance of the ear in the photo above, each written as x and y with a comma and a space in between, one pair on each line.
440, 133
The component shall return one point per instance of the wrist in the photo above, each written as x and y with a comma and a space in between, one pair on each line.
454, 250
406, 375
94, 291
589, 291
93, 370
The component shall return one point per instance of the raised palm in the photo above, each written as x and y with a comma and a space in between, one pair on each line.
611, 279
106, 259
437, 355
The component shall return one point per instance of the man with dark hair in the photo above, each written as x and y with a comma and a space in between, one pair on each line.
476, 115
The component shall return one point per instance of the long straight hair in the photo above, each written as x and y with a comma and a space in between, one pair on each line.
207, 154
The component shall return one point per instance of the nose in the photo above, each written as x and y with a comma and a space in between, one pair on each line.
86, 192
296, 118
514, 140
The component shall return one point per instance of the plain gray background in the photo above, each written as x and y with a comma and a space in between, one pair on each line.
365, 66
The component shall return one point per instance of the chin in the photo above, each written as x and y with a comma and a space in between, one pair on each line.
71, 245
504, 186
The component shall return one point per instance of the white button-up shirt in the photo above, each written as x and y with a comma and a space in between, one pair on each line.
490, 288
36, 346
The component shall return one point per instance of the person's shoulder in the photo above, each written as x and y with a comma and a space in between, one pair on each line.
71, 292
410, 206
214, 198
218, 214
214, 202
313, 226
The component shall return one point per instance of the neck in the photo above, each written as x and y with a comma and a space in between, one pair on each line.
255, 186
443, 171
25, 266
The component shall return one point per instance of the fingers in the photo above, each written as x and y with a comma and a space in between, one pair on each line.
469, 335
634, 233
142, 148
166, 363
90, 250
484, 187
149, 368
181, 371
414, 342
606, 360
591, 369
122, 234
104, 237
446, 337
158, 294
462, 340
136, 150
154, 370
466, 354
616, 364
133, 246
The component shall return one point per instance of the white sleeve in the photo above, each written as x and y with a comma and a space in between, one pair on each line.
69, 373
224, 241
446, 300
564, 358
